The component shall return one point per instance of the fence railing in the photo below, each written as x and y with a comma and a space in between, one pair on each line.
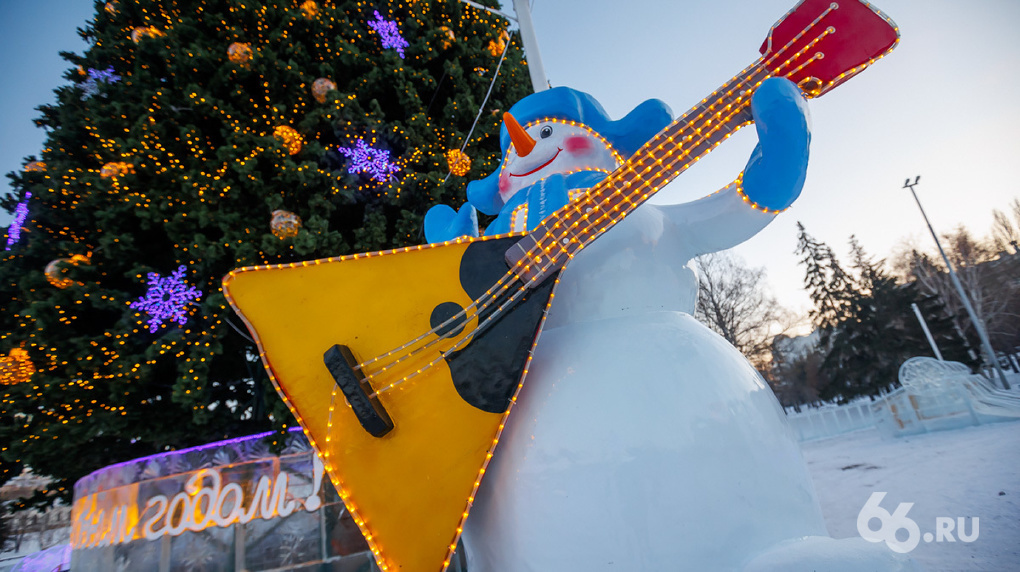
831, 421
934, 396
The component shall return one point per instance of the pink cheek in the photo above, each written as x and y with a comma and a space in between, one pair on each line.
504, 182
578, 145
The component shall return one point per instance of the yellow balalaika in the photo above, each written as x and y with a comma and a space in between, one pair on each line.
402, 366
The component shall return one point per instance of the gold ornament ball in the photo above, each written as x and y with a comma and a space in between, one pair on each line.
239, 53
450, 37
320, 87
496, 48
35, 167
309, 9
115, 169
57, 269
458, 161
291, 139
16, 367
143, 32
285, 224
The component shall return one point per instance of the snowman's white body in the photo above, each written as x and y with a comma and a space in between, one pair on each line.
641, 440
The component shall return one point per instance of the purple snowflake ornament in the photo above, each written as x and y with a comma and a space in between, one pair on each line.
167, 298
90, 86
389, 34
366, 159
20, 214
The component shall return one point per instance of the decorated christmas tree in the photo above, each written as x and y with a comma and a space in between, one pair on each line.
197, 137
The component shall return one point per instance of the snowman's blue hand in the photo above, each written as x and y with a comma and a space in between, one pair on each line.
546, 197
442, 223
774, 176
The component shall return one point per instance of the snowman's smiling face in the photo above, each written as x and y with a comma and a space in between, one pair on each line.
560, 147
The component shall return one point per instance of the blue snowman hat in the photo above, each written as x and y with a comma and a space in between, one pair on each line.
626, 135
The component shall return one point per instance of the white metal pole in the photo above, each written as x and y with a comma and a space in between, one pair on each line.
927, 332
985, 344
530, 43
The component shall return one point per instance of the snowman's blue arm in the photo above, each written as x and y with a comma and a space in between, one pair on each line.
775, 173
442, 223
771, 181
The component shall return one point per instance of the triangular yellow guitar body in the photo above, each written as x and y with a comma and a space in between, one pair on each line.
409, 490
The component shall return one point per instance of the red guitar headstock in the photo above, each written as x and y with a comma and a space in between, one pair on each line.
819, 44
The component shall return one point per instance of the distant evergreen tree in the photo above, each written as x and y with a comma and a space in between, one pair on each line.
186, 125
825, 280
867, 326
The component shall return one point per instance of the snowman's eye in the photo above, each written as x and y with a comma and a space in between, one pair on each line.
546, 131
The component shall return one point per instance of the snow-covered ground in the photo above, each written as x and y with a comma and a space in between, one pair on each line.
970, 472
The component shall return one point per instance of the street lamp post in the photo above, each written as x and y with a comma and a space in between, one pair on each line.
927, 332
985, 344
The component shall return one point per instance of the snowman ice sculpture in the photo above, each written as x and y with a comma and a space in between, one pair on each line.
641, 440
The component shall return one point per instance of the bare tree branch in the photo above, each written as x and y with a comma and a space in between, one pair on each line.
734, 300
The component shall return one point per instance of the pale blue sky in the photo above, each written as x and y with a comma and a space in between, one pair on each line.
943, 105
31, 36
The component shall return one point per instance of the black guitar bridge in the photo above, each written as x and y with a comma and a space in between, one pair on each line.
340, 362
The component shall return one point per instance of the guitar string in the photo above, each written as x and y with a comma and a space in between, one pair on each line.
481, 306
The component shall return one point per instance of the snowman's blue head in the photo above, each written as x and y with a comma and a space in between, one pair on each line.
626, 135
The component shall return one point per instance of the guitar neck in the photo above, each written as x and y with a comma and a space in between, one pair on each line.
677, 147
818, 45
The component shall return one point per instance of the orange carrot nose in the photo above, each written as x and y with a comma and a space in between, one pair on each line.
522, 141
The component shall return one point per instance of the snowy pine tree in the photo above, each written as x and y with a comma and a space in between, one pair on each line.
184, 128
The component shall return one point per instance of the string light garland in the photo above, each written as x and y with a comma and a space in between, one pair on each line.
35, 167
20, 214
458, 162
369, 160
16, 367
739, 185
389, 34
290, 137
284, 224
142, 32
167, 298
321, 87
